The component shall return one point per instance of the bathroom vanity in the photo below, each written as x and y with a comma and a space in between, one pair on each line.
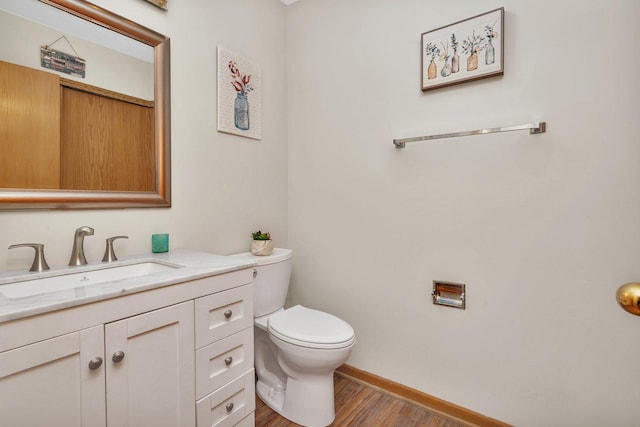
172, 347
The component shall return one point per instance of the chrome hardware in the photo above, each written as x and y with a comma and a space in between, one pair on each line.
228, 360
229, 406
255, 273
117, 356
109, 254
228, 314
95, 363
39, 263
449, 294
77, 253
628, 296
533, 128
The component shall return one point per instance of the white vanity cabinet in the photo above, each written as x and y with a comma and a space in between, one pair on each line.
154, 358
150, 370
49, 382
225, 380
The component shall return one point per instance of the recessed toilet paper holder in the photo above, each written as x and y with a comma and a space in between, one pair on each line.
448, 293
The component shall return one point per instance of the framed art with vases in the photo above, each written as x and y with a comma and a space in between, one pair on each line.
466, 50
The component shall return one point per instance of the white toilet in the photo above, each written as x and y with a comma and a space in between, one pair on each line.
297, 349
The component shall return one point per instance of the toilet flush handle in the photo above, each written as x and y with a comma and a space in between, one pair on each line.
255, 273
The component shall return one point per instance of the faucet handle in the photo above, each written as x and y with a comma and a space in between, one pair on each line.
109, 254
39, 263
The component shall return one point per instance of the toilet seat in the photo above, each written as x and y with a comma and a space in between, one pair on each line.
310, 328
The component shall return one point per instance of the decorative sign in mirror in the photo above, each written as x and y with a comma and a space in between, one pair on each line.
101, 140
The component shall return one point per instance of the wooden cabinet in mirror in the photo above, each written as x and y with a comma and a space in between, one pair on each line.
68, 144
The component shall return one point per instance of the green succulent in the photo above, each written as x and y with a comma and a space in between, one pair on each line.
259, 235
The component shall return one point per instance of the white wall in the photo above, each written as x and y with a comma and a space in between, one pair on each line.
541, 228
224, 186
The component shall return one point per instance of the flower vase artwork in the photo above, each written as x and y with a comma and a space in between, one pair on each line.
471, 46
472, 61
241, 112
446, 68
490, 54
455, 59
239, 95
242, 85
490, 51
466, 50
432, 70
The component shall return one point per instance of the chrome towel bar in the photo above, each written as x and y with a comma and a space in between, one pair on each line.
534, 128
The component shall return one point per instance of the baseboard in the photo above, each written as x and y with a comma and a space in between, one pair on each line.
419, 397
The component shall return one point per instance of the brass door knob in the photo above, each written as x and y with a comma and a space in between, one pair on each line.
628, 297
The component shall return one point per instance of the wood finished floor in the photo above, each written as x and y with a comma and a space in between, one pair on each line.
359, 405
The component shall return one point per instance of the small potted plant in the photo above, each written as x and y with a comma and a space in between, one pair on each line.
261, 244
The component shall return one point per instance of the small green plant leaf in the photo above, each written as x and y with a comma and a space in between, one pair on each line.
259, 235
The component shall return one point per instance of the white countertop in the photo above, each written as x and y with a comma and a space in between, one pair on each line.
195, 265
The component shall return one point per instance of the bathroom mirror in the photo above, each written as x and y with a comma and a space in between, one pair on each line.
156, 192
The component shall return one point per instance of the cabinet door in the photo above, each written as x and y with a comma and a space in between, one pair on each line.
150, 369
50, 383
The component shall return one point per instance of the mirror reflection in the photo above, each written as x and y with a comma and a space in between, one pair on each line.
83, 109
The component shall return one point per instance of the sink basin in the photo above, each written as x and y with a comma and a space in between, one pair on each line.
101, 274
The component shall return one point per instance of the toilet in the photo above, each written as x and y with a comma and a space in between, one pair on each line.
296, 349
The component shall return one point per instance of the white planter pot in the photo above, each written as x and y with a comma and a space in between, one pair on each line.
262, 247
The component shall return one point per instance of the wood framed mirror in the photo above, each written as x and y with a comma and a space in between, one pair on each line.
110, 178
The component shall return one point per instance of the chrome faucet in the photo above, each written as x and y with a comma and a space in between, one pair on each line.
109, 254
77, 253
39, 263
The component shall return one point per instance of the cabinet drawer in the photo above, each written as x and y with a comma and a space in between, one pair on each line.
248, 421
222, 361
228, 406
222, 314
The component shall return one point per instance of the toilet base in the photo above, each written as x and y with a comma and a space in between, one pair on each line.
272, 398
308, 403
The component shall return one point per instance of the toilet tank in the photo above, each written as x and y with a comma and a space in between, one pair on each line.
271, 281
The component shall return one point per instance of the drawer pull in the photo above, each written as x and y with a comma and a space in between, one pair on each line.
95, 363
229, 406
117, 356
228, 360
228, 314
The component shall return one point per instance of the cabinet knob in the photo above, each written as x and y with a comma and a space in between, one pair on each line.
95, 363
228, 313
229, 406
117, 356
228, 360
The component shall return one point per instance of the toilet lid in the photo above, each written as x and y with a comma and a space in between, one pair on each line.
310, 328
